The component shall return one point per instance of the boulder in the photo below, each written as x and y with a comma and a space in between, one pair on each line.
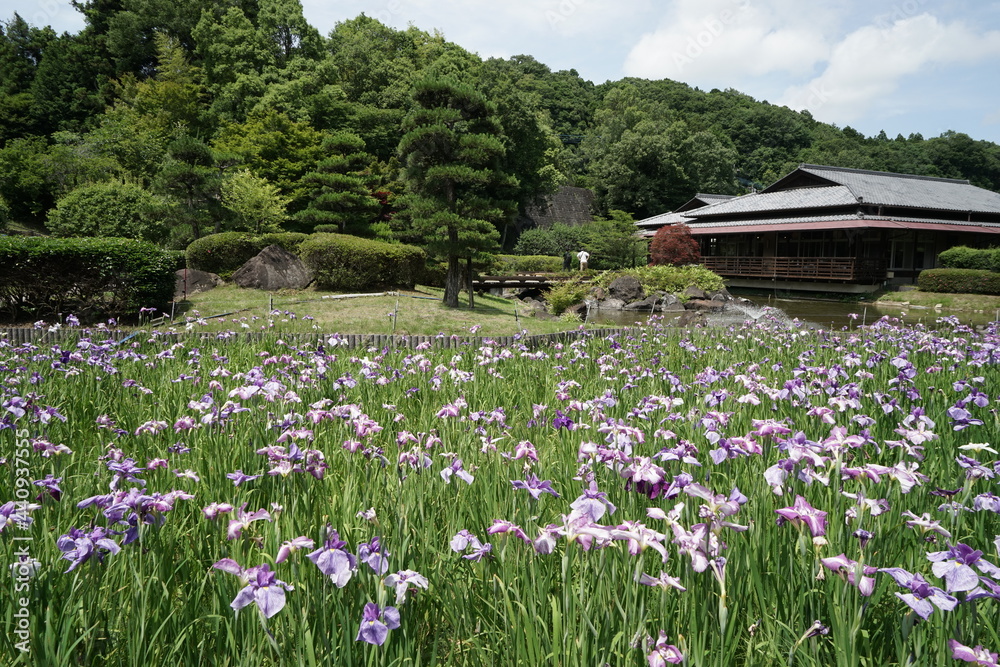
671, 304
690, 318
626, 288
610, 304
598, 294
721, 295
274, 268
649, 303
704, 305
695, 293
578, 309
193, 281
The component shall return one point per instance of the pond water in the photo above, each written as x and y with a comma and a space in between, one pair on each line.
815, 313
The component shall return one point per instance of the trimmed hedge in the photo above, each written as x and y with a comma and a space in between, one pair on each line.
41, 277
342, 262
960, 281
224, 253
505, 264
964, 257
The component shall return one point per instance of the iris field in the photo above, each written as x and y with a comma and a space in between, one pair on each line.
746, 496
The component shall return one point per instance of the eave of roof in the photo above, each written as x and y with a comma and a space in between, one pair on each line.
819, 223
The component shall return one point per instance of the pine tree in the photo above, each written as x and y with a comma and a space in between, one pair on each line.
456, 195
342, 194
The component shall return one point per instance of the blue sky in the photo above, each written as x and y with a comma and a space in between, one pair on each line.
904, 66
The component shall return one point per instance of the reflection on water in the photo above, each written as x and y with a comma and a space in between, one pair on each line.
813, 313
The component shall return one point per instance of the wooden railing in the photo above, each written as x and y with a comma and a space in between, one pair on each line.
847, 269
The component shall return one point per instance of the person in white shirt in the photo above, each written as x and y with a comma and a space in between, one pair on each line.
583, 256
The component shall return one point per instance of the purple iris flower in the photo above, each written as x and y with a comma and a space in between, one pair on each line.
262, 587
458, 470
291, 546
50, 484
955, 567
16, 514
79, 547
534, 486
239, 477
376, 623
921, 594
562, 421
802, 512
333, 560
978, 655
962, 418
244, 519
501, 526
664, 653
465, 540
593, 503
405, 580
843, 565
372, 554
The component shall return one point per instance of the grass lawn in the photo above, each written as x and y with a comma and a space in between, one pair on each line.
418, 312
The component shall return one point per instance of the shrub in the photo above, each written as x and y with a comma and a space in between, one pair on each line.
177, 258
342, 262
504, 264
674, 245
964, 257
4, 214
326, 229
961, 281
224, 253
89, 277
108, 209
667, 278
566, 294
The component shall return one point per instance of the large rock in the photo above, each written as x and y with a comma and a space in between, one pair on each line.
611, 304
626, 288
192, 281
671, 304
272, 269
704, 305
695, 293
649, 303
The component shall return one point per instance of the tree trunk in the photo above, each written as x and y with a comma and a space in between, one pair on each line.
452, 282
472, 298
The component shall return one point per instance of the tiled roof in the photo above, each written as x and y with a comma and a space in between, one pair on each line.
909, 191
762, 202
664, 219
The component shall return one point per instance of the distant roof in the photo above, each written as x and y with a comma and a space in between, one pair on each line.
763, 202
701, 199
900, 190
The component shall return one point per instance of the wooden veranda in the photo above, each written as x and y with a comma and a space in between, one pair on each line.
840, 269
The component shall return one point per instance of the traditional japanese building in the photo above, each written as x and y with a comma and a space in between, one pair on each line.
836, 229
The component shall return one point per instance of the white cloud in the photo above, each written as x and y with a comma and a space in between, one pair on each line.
868, 66
718, 43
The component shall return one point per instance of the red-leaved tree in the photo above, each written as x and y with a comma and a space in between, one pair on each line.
674, 245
